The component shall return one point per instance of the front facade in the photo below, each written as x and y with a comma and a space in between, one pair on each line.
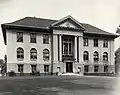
51, 46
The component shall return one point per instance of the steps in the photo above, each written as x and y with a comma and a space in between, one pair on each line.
71, 74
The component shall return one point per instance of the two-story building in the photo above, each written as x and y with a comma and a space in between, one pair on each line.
64, 45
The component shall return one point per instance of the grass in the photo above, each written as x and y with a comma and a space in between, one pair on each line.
61, 85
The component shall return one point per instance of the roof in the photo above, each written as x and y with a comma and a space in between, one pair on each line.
41, 23
94, 30
33, 22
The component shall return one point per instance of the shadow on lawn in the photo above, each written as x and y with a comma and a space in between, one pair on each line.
44, 86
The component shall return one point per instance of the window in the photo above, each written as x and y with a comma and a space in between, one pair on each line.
19, 36
105, 43
20, 68
105, 56
106, 68
33, 37
85, 56
96, 56
95, 42
33, 54
20, 53
67, 44
66, 48
86, 68
96, 68
45, 54
45, 39
85, 41
33, 68
46, 68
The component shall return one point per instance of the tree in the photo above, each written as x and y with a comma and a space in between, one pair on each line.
117, 60
118, 29
117, 55
1, 62
1, 65
5, 65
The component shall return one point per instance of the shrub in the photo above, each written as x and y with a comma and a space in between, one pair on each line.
11, 73
99, 74
35, 73
21, 74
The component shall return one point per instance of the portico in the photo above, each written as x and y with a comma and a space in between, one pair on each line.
68, 52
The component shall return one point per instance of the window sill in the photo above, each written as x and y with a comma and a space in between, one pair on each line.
46, 60
85, 45
19, 42
96, 61
33, 59
46, 43
105, 61
33, 42
20, 59
105, 47
86, 61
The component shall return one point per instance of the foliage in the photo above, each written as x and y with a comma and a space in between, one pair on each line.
11, 73
99, 74
118, 29
2, 66
35, 73
117, 60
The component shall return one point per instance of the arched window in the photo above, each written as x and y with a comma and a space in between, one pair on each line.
33, 54
96, 56
85, 56
105, 56
20, 53
45, 54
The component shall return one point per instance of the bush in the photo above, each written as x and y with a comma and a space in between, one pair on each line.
22, 74
35, 73
11, 73
99, 74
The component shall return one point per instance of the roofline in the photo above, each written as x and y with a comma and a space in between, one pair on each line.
25, 26
4, 33
100, 35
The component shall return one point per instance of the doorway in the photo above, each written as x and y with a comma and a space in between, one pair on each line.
69, 67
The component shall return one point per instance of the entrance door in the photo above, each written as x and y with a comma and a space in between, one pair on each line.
69, 67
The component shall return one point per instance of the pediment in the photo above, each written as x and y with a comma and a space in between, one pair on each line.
68, 22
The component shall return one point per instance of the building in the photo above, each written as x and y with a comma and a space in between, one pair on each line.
64, 45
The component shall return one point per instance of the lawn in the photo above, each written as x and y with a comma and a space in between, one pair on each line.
57, 85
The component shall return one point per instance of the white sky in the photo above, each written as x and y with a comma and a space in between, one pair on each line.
104, 14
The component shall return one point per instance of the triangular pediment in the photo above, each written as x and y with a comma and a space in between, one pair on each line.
68, 22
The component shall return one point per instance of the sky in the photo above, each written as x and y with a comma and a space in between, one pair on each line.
104, 14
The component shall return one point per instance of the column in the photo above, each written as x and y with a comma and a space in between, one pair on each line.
75, 48
55, 48
80, 46
60, 48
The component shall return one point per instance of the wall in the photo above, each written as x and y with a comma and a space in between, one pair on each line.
100, 49
12, 45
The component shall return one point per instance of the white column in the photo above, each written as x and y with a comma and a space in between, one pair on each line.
80, 46
60, 47
55, 48
75, 48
